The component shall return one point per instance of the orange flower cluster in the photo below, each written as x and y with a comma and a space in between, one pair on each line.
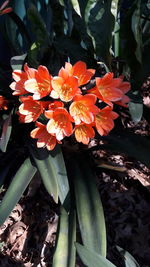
69, 109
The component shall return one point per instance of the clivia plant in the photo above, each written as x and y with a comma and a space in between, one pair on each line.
63, 93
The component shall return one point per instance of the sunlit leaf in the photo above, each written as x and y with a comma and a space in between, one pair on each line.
61, 251
47, 170
15, 190
76, 6
92, 259
53, 171
58, 165
64, 255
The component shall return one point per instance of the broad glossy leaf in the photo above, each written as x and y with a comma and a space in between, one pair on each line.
64, 255
15, 190
6, 132
89, 206
92, 259
128, 258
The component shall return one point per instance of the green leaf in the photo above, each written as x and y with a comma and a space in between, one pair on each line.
17, 62
137, 31
114, 7
128, 258
129, 36
58, 164
61, 252
53, 171
15, 190
38, 25
15, 26
76, 6
100, 24
47, 171
89, 206
6, 132
71, 240
92, 259
64, 255
116, 40
136, 111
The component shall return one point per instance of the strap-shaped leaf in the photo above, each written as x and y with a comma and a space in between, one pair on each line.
76, 6
6, 132
129, 261
18, 185
136, 28
53, 171
100, 24
64, 255
72, 240
89, 206
47, 171
38, 25
17, 62
57, 161
92, 259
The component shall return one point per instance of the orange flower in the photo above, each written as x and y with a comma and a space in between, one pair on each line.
83, 108
4, 10
60, 124
64, 86
108, 89
51, 107
20, 77
31, 109
44, 138
3, 103
40, 85
22, 118
124, 87
104, 120
83, 133
79, 70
